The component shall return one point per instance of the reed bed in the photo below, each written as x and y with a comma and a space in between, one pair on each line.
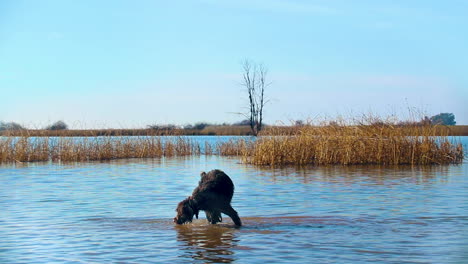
211, 130
383, 144
28, 149
233, 147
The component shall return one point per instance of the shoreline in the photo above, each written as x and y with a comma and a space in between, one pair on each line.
461, 130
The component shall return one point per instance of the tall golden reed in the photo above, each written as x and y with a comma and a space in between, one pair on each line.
28, 149
373, 143
384, 144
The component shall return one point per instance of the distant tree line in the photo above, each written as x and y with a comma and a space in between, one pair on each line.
447, 119
59, 125
196, 126
443, 119
12, 126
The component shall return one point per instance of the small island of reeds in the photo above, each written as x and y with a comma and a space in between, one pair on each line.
381, 144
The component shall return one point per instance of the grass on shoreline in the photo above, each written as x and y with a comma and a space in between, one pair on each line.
215, 130
381, 143
207, 131
28, 149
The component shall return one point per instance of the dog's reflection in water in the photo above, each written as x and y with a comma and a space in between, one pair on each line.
211, 243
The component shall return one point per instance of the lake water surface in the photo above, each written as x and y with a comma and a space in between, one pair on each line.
121, 212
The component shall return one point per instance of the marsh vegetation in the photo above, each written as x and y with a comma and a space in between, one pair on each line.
378, 143
326, 144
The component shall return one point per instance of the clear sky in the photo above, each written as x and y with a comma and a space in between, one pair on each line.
133, 63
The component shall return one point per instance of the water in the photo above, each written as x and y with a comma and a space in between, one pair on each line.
121, 212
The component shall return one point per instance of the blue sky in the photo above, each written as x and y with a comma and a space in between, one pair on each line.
132, 63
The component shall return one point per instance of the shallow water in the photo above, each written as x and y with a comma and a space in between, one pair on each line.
121, 212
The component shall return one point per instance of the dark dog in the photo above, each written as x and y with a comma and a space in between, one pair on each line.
213, 195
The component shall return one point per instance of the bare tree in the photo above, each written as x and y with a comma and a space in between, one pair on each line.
255, 80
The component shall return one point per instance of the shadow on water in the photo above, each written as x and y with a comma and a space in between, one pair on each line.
121, 211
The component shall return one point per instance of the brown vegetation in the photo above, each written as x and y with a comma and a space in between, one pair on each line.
378, 143
27, 149
384, 144
213, 130
233, 147
456, 130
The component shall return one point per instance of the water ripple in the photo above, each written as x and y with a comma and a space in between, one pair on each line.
121, 211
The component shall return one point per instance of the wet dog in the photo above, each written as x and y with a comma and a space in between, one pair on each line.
213, 195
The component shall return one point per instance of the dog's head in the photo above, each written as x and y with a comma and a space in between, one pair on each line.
185, 211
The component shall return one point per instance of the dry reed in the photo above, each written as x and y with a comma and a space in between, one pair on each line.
234, 147
383, 144
378, 143
27, 149
227, 130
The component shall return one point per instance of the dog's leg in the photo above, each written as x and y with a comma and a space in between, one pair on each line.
216, 217
233, 214
213, 217
208, 216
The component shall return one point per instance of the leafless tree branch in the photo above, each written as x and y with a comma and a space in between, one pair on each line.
255, 80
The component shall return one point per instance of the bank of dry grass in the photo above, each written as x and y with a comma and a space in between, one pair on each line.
377, 143
384, 144
27, 149
216, 130
456, 130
